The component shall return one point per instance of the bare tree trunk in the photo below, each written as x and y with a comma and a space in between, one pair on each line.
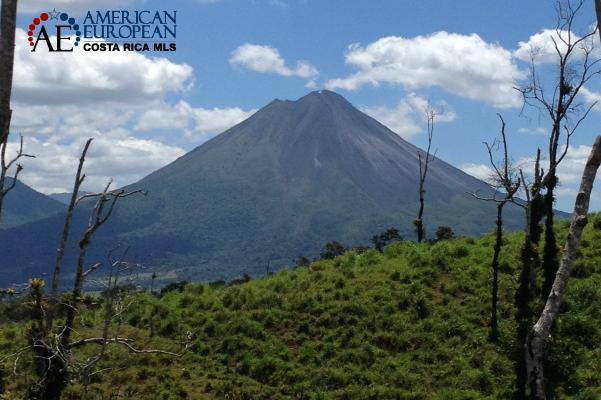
550, 263
419, 222
423, 173
506, 179
535, 341
598, 12
494, 325
8, 20
67, 226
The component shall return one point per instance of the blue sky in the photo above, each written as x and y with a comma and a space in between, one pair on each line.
210, 84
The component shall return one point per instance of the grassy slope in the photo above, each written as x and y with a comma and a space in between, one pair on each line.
407, 324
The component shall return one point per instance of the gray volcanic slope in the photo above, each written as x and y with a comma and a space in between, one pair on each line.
278, 185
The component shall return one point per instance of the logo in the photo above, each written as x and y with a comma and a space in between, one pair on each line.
63, 24
112, 30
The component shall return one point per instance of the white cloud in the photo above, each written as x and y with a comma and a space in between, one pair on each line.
480, 171
312, 84
112, 155
408, 117
89, 77
55, 135
541, 49
267, 59
464, 65
534, 131
197, 122
60, 100
591, 97
570, 169
569, 173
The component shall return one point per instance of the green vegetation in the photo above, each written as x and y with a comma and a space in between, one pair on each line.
408, 323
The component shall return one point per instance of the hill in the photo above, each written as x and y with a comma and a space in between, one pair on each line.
23, 205
410, 323
64, 197
274, 187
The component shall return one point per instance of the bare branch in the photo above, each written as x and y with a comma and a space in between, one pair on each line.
79, 178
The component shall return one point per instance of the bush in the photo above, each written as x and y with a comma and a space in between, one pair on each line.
331, 250
176, 286
597, 221
460, 252
444, 233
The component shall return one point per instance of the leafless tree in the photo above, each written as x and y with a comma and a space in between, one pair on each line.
535, 342
598, 12
424, 163
504, 178
8, 19
52, 344
6, 165
576, 66
530, 260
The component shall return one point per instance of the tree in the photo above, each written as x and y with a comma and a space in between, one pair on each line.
504, 178
598, 13
8, 19
52, 345
423, 173
530, 260
5, 166
576, 65
384, 238
535, 342
444, 233
302, 261
331, 250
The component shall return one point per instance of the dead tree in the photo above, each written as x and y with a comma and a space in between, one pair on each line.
598, 13
6, 165
535, 343
504, 178
530, 262
54, 293
52, 345
8, 19
79, 178
423, 173
576, 66
52, 350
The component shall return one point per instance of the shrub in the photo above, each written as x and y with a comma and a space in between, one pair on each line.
461, 251
176, 286
597, 222
331, 250
444, 233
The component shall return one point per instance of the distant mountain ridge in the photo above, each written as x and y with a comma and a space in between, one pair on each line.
64, 197
24, 204
276, 186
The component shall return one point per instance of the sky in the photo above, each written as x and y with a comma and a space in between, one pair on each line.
389, 58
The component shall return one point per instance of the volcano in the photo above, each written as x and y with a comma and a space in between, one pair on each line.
280, 184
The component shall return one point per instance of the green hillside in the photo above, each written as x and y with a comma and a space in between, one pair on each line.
410, 323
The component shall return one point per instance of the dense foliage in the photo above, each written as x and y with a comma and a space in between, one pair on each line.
408, 323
